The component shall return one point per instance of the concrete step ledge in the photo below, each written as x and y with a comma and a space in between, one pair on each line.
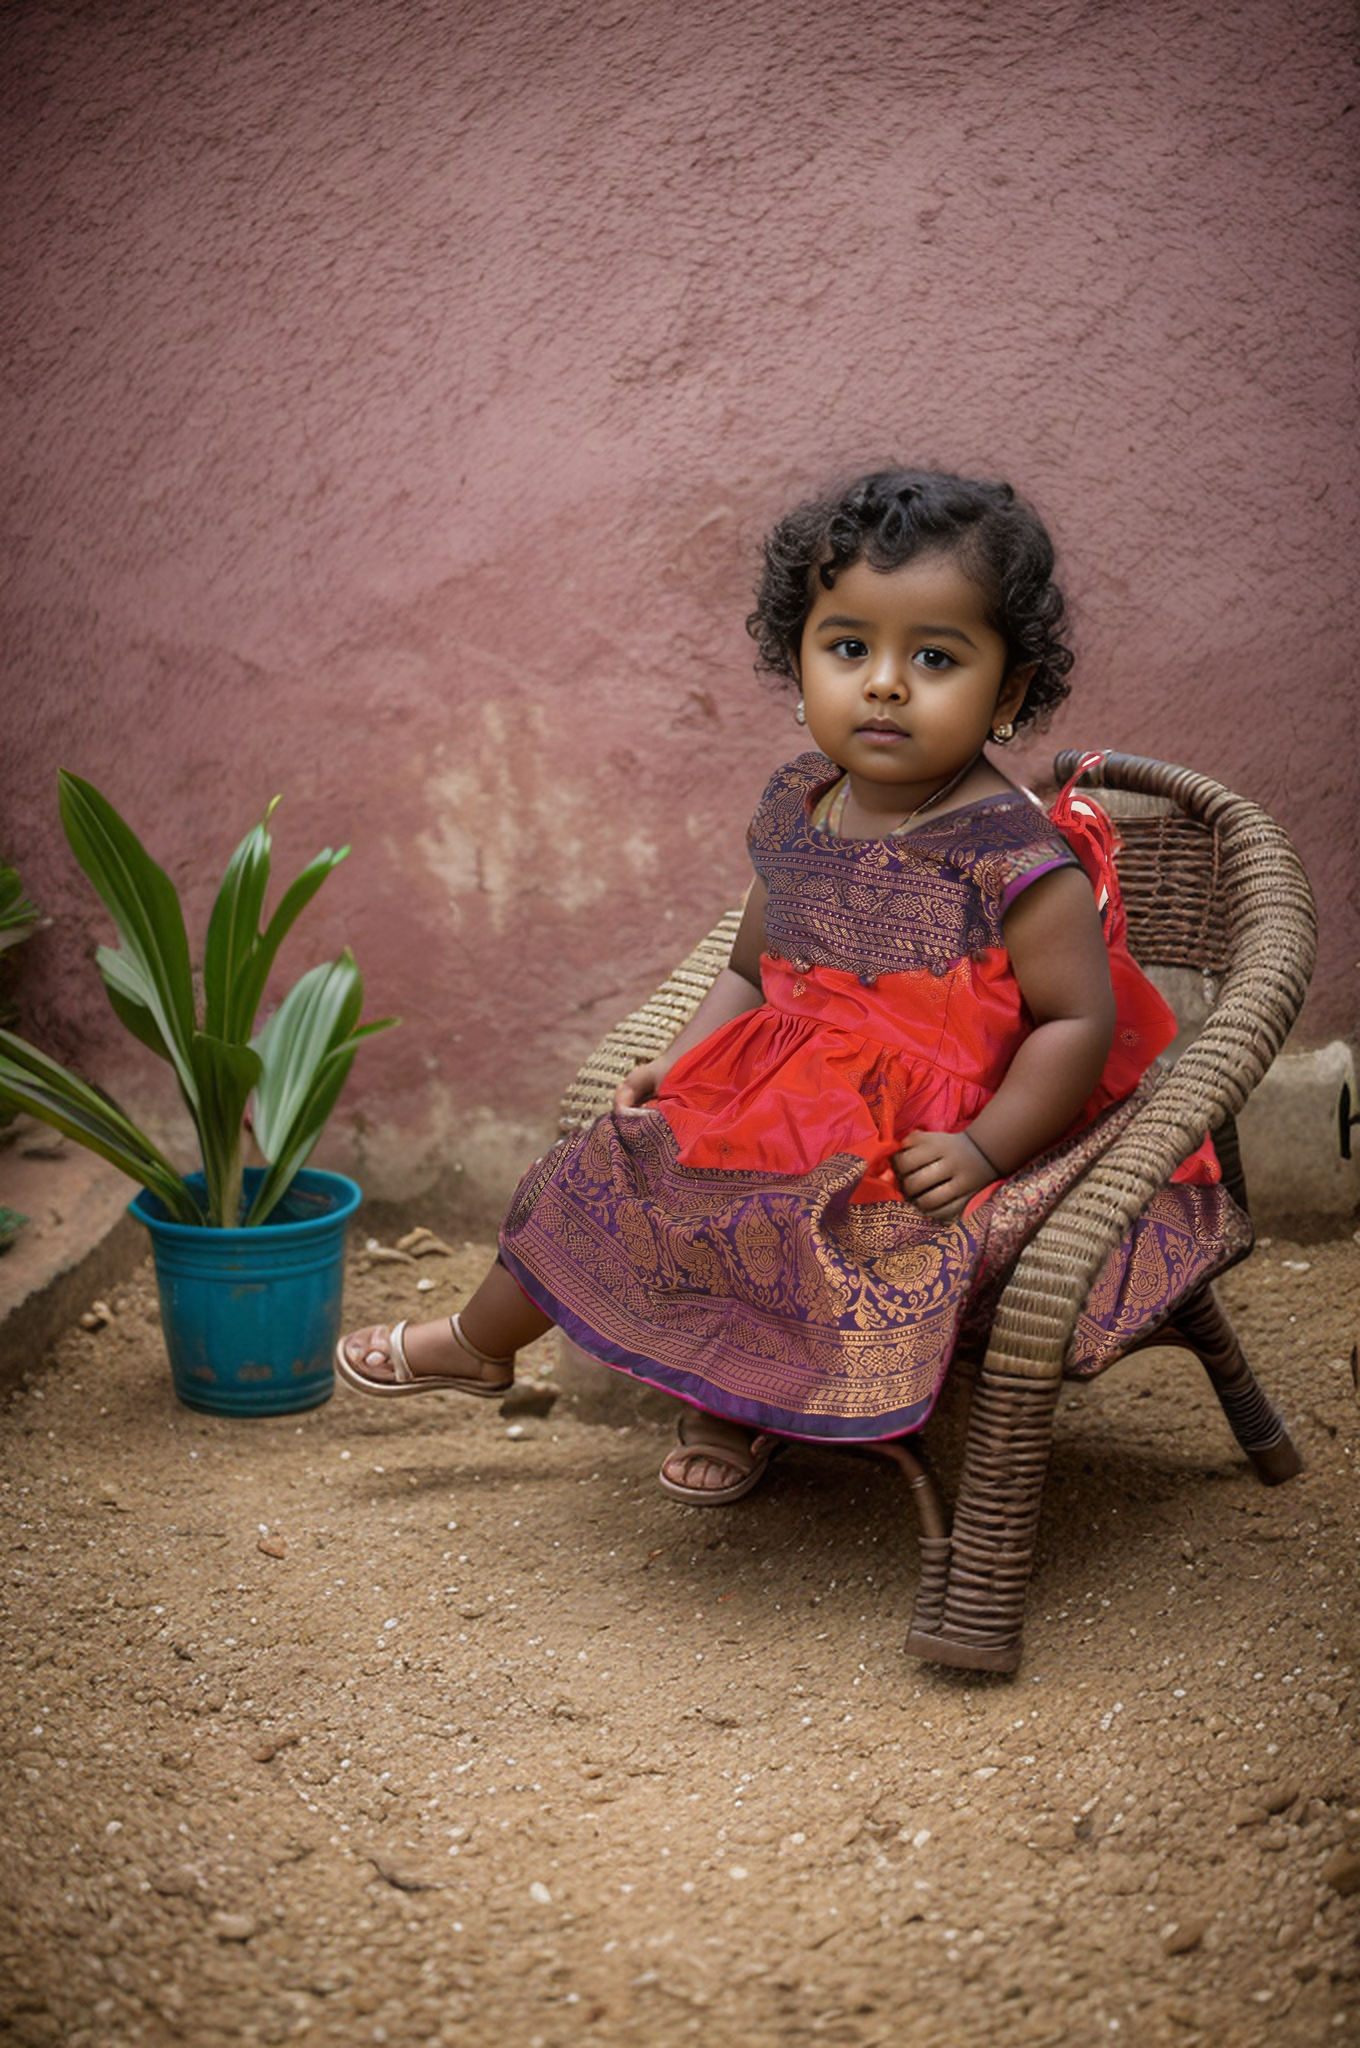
1291, 1139
78, 1243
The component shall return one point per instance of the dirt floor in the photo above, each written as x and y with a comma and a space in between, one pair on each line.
414, 1722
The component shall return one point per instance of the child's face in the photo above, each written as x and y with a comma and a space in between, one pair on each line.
903, 676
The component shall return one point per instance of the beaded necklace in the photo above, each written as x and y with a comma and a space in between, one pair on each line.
830, 809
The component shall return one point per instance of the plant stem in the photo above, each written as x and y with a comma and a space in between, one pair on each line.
232, 1182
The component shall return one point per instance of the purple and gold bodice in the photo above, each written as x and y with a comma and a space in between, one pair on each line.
888, 906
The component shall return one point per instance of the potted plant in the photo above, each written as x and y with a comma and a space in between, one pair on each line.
249, 1259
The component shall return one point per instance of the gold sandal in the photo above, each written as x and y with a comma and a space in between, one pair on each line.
405, 1381
750, 1467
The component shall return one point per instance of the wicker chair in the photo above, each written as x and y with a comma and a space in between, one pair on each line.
1210, 883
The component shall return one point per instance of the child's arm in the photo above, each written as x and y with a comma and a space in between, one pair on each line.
1058, 952
736, 990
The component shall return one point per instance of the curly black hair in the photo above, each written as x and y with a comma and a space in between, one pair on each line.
887, 518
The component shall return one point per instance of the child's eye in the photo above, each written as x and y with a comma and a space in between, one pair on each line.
934, 657
849, 650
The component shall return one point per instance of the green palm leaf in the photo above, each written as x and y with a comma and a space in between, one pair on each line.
239, 956
293, 901
233, 935
18, 913
125, 986
306, 1050
142, 901
225, 1075
316, 1015
300, 1136
29, 1080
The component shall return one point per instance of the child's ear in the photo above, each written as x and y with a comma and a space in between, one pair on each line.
1013, 690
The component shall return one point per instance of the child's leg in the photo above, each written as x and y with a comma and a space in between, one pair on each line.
714, 1462
498, 1321
500, 1318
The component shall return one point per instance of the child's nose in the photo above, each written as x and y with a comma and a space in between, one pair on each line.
886, 680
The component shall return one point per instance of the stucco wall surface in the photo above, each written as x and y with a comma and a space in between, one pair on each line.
396, 394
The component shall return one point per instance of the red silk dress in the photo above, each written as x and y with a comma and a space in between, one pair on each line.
747, 1246
841, 1062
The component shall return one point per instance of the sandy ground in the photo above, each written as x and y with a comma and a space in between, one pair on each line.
408, 1722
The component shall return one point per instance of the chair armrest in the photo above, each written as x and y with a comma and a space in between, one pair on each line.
651, 1029
1272, 942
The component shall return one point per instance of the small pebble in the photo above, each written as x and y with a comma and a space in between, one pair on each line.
404, 1877
527, 1398
232, 1926
45, 1145
540, 1894
1180, 1936
272, 1546
1342, 1871
265, 1750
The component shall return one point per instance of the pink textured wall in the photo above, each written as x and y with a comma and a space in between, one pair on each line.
397, 394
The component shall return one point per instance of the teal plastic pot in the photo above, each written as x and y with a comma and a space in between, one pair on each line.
251, 1317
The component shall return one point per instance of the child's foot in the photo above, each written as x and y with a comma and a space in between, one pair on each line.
715, 1461
407, 1358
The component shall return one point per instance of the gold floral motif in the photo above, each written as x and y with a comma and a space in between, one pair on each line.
885, 906
766, 1290
1185, 1236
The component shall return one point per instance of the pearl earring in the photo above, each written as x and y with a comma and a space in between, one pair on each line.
800, 715
1002, 733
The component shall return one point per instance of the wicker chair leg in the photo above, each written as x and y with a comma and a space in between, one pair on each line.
932, 1518
1229, 1153
971, 1606
932, 1521
1253, 1418
930, 1508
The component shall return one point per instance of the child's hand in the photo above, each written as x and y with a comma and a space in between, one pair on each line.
939, 1170
635, 1091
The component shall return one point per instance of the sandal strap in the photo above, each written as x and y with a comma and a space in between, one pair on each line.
742, 1462
482, 1357
401, 1371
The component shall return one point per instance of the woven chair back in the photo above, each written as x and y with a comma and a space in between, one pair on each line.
1172, 879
